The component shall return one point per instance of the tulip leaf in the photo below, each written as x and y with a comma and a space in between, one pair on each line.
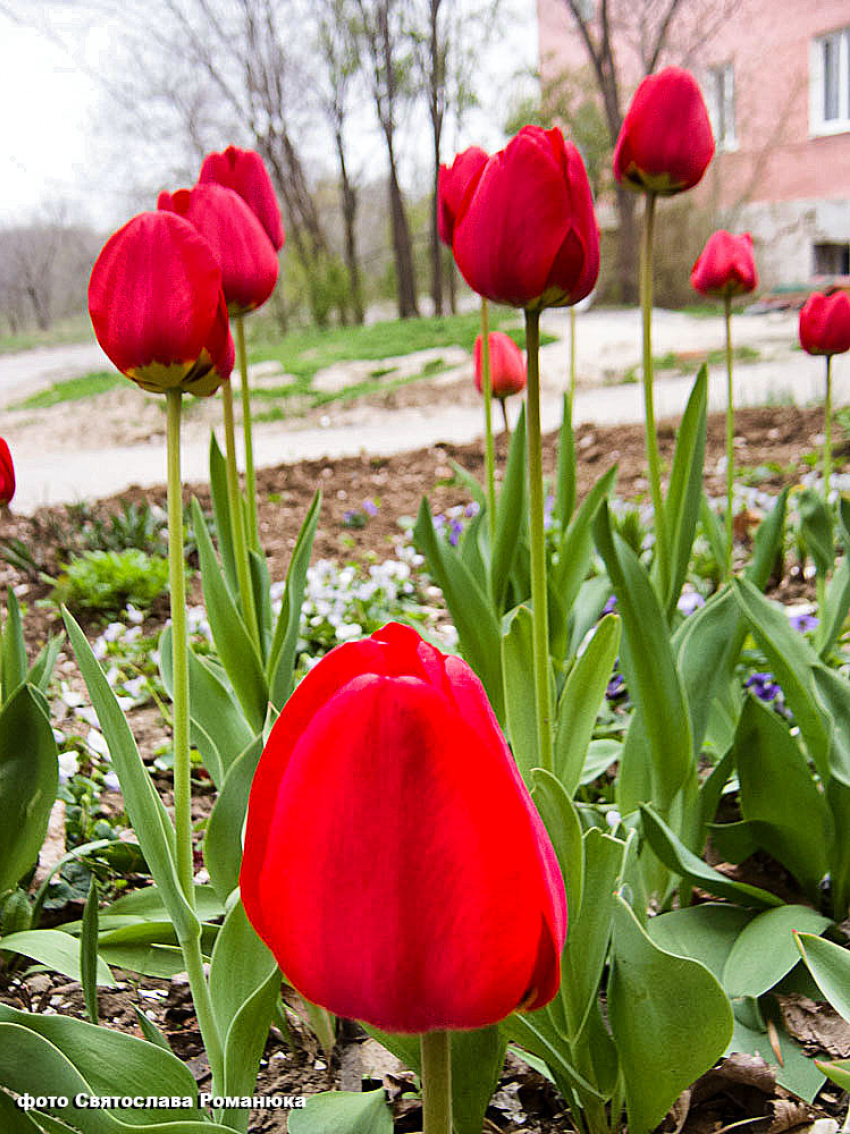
472, 614
579, 705
565, 476
796, 1073
676, 857
237, 652
88, 952
221, 514
213, 711
343, 1112
838, 801
601, 754
281, 662
816, 529
685, 489
223, 841
656, 688
535, 1031
791, 658
145, 809
520, 709
57, 950
765, 950
674, 1000
29, 776
767, 546
779, 794
564, 829
705, 933
829, 964
14, 647
712, 527
834, 614
148, 904
703, 646
13, 1120
511, 514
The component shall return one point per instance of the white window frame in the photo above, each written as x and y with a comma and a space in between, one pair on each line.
819, 124
721, 98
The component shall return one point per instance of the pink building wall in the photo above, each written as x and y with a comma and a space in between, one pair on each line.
780, 159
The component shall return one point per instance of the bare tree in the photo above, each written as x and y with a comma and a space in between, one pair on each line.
650, 30
381, 33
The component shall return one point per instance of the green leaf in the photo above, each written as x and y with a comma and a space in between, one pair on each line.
468, 481
260, 584
705, 933
149, 904
57, 950
219, 728
796, 1073
765, 949
223, 841
657, 1004
834, 614
88, 952
150, 1031
148, 947
13, 1120
712, 525
232, 641
578, 707
816, 529
520, 709
41, 669
829, 964
791, 658
703, 646
685, 489
343, 1112
14, 647
565, 476
655, 688
281, 663
768, 543
535, 1031
472, 614
676, 857
145, 809
564, 828
601, 754
779, 793
29, 776
221, 514
511, 514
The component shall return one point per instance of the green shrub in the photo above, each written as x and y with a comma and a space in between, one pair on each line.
106, 581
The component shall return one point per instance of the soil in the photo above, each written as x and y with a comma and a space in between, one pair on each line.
524, 1101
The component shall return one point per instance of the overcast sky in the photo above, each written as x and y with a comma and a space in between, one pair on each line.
54, 114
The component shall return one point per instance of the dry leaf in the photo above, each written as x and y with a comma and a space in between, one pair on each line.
816, 1024
788, 1113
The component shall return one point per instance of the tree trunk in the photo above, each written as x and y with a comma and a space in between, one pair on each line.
349, 215
436, 243
402, 248
627, 246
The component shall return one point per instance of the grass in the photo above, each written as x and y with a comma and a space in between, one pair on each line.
71, 390
686, 364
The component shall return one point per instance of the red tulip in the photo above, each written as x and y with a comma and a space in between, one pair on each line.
157, 307
244, 171
7, 474
388, 813
508, 373
825, 323
452, 184
666, 142
526, 234
725, 266
248, 261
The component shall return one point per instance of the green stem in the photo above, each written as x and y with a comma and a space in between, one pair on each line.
538, 545
250, 476
240, 551
820, 593
487, 391
504, 402
652, 456
730, 437
191, 947
436, 1083
827, 448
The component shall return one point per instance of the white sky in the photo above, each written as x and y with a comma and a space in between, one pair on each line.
54, 114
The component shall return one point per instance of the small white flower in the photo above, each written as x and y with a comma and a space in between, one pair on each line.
111, 782
113, 631
133, 615
135, 686
69, 697
68, 766
613, 819
87, 714
97, 742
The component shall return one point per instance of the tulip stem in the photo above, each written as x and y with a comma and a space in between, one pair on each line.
827, 446
538, 545
504, 403
253, 533
436, 1083
652, 456
487, 391
730, 437
191, 946
237, 519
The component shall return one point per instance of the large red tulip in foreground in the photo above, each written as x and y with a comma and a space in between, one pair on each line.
825, 323
394, 862
157, 307
526, 233
245, 172
665, 142
726, 266
452, 183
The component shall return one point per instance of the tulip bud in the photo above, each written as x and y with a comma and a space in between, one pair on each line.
825, 323
726, 266
245, 172
508, 373
665, 143
248, 262
157, 307
7, 474
525, 233
375, 864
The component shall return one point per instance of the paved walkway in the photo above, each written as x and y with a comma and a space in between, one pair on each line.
608, 344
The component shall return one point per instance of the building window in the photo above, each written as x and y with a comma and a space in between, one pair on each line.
832, 259
721, 105
830, 83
